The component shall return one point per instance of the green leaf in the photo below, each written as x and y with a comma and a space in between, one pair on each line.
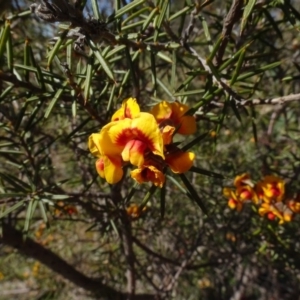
3, 38
194, 141
181, 12
12, 195
193, 193
124, 10
101, 60
148, 196
29, 213
153, 13
164, 57
43, 211
56, 47
238, 68
215, 48
258, 71
136, 14
9, 52
88, 78
95, 9
206, 172
131, 193
163, 86
6, 92
162, 13
247, 12
235, 109
18, 184
54, 100
12, 208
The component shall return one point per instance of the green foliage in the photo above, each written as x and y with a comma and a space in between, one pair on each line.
62, 76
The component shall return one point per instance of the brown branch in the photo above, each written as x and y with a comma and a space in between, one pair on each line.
232, 17
30, 248
170, 261
126, 239
278, 100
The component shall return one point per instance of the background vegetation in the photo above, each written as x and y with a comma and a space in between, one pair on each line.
65, 68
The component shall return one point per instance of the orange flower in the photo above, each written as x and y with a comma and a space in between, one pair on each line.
246, 193
130, 109
135, 137
128, 140
271, 212
259, 192
276, 211
110, 168
273, 188
167, 134
234, 202
134, 211
148, 173
173, 114
294, 206
241, 180
180, 161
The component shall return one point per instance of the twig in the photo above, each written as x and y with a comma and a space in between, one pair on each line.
170, 261
279, 100
126, 237
191, 24
273, 118
232, 17
183, 266
269, 101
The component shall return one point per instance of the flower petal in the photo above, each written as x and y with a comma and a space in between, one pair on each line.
110, 168
176, 113
241, 180
144, 129
148, 173
162, 111
167, 134
105, 143
134, 152
94, 145
180, 162
130, 109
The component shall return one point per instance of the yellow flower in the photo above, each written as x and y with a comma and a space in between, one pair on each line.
128, 140
167, 134
173, 114
294, 206
246, 192
148, 173
129, 109
276, 211
233, 201
180, 161
241, 180
110, 168
273, 188
134, 211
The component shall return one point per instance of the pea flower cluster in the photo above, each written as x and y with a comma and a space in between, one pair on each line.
144, 140
268, 194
